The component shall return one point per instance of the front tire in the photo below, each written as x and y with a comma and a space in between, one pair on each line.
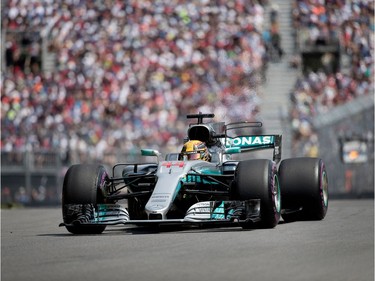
258, 179
81, 194
304, 189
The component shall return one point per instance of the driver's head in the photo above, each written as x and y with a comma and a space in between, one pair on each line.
194, 150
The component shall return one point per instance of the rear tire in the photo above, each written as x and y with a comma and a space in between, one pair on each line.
304, 189
81, 194
258, 179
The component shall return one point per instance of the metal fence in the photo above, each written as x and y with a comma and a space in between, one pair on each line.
36, 177
30, 177
352, 121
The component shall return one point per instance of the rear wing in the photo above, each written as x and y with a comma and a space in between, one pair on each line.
257, 142
233, 135
253, 142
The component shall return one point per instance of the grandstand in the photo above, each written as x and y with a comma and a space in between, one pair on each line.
94, 80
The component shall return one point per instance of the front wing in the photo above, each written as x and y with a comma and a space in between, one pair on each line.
199, 213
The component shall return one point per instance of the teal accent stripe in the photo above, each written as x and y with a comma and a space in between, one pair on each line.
218, 213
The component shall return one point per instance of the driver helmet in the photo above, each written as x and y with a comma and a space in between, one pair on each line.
195, 150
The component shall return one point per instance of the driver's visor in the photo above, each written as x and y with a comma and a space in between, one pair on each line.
190, 156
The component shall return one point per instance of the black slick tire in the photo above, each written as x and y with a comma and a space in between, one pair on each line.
304, 189
258, 179
81, 189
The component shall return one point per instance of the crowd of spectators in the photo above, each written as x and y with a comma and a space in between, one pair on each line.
351, 23
127, 72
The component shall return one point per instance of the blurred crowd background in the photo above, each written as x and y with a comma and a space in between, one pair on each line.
126, 72
350, 25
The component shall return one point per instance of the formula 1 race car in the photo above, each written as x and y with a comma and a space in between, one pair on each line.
184, 189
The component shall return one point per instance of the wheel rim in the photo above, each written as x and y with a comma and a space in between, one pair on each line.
325, 188
276, 193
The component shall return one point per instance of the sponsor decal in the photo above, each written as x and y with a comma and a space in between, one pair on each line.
159, 198
249, 141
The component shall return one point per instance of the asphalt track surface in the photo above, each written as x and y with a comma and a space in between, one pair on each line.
341, 247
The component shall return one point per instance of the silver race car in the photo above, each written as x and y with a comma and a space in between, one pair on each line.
199, 185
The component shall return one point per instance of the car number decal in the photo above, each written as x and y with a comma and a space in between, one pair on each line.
173, 163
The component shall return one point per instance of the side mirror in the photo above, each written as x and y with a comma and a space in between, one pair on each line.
232, 150
150, 152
